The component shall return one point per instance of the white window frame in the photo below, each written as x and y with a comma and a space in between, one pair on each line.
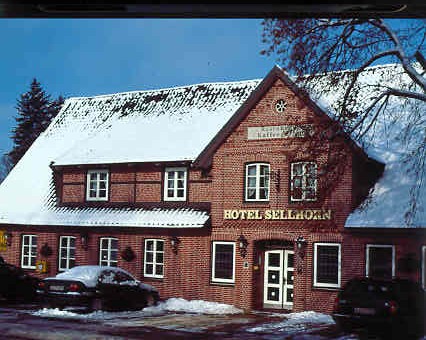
367, 256
175, 181
97, 181
109, 250
257, 187
68, 249
424, 267
339, 265
218, 279
304, 182
26, 259
154, 262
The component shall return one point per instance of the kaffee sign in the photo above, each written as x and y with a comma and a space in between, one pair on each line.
271, 214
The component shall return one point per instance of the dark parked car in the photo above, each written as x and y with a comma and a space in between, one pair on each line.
96, 288
16, 285
396, 307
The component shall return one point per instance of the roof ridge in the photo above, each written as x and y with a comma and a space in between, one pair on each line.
164, 89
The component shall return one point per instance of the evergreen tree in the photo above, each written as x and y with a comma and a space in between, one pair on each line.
36, 110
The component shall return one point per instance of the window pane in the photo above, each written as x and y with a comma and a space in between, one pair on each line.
159, 269
171, 175
327, 264
251, 170
149, 269
251, 183
64, 241
149, 257
63, 263
114, 243
160, 245
149, 245
380, 262
159, 258
263, 194
103, 176
297, 169
251, 193
224, 261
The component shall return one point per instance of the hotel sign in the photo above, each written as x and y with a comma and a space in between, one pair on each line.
3, 241
284, 214
281, 131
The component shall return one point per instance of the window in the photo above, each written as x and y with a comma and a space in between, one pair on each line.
257, 182
154, 258
108, 251
327, 266
175, 184
66, 252
223, 262
97, 185
29, 251
424, 267
280, 105
380, 261
303, 181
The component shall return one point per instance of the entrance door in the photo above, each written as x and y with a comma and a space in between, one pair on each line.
278, 279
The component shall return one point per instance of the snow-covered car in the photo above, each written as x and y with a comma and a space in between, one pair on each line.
96, 288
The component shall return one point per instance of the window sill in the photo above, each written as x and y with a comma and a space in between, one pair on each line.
222, 284
326, 288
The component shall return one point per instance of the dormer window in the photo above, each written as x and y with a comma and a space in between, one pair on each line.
97, 185
175, 184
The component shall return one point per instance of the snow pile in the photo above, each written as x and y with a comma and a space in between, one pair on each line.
295, 323
171, 305
194, 306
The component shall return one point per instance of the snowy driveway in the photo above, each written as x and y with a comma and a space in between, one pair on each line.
200, 319
171, 319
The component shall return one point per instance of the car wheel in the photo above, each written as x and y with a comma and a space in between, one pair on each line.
96, 304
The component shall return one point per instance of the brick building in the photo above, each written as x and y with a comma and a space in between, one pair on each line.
222, 192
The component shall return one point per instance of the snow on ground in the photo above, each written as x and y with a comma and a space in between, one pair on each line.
295, 323
170, 305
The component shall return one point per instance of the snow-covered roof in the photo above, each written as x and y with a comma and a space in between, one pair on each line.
168, 124
158, 125
390, 199
176, 124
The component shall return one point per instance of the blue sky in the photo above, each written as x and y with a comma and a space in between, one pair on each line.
84, 57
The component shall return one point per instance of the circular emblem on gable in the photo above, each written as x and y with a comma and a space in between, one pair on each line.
280, 105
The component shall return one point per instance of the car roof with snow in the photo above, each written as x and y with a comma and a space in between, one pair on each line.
88, 274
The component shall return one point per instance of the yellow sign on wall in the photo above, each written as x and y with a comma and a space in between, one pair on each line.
3, 241
285, 214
